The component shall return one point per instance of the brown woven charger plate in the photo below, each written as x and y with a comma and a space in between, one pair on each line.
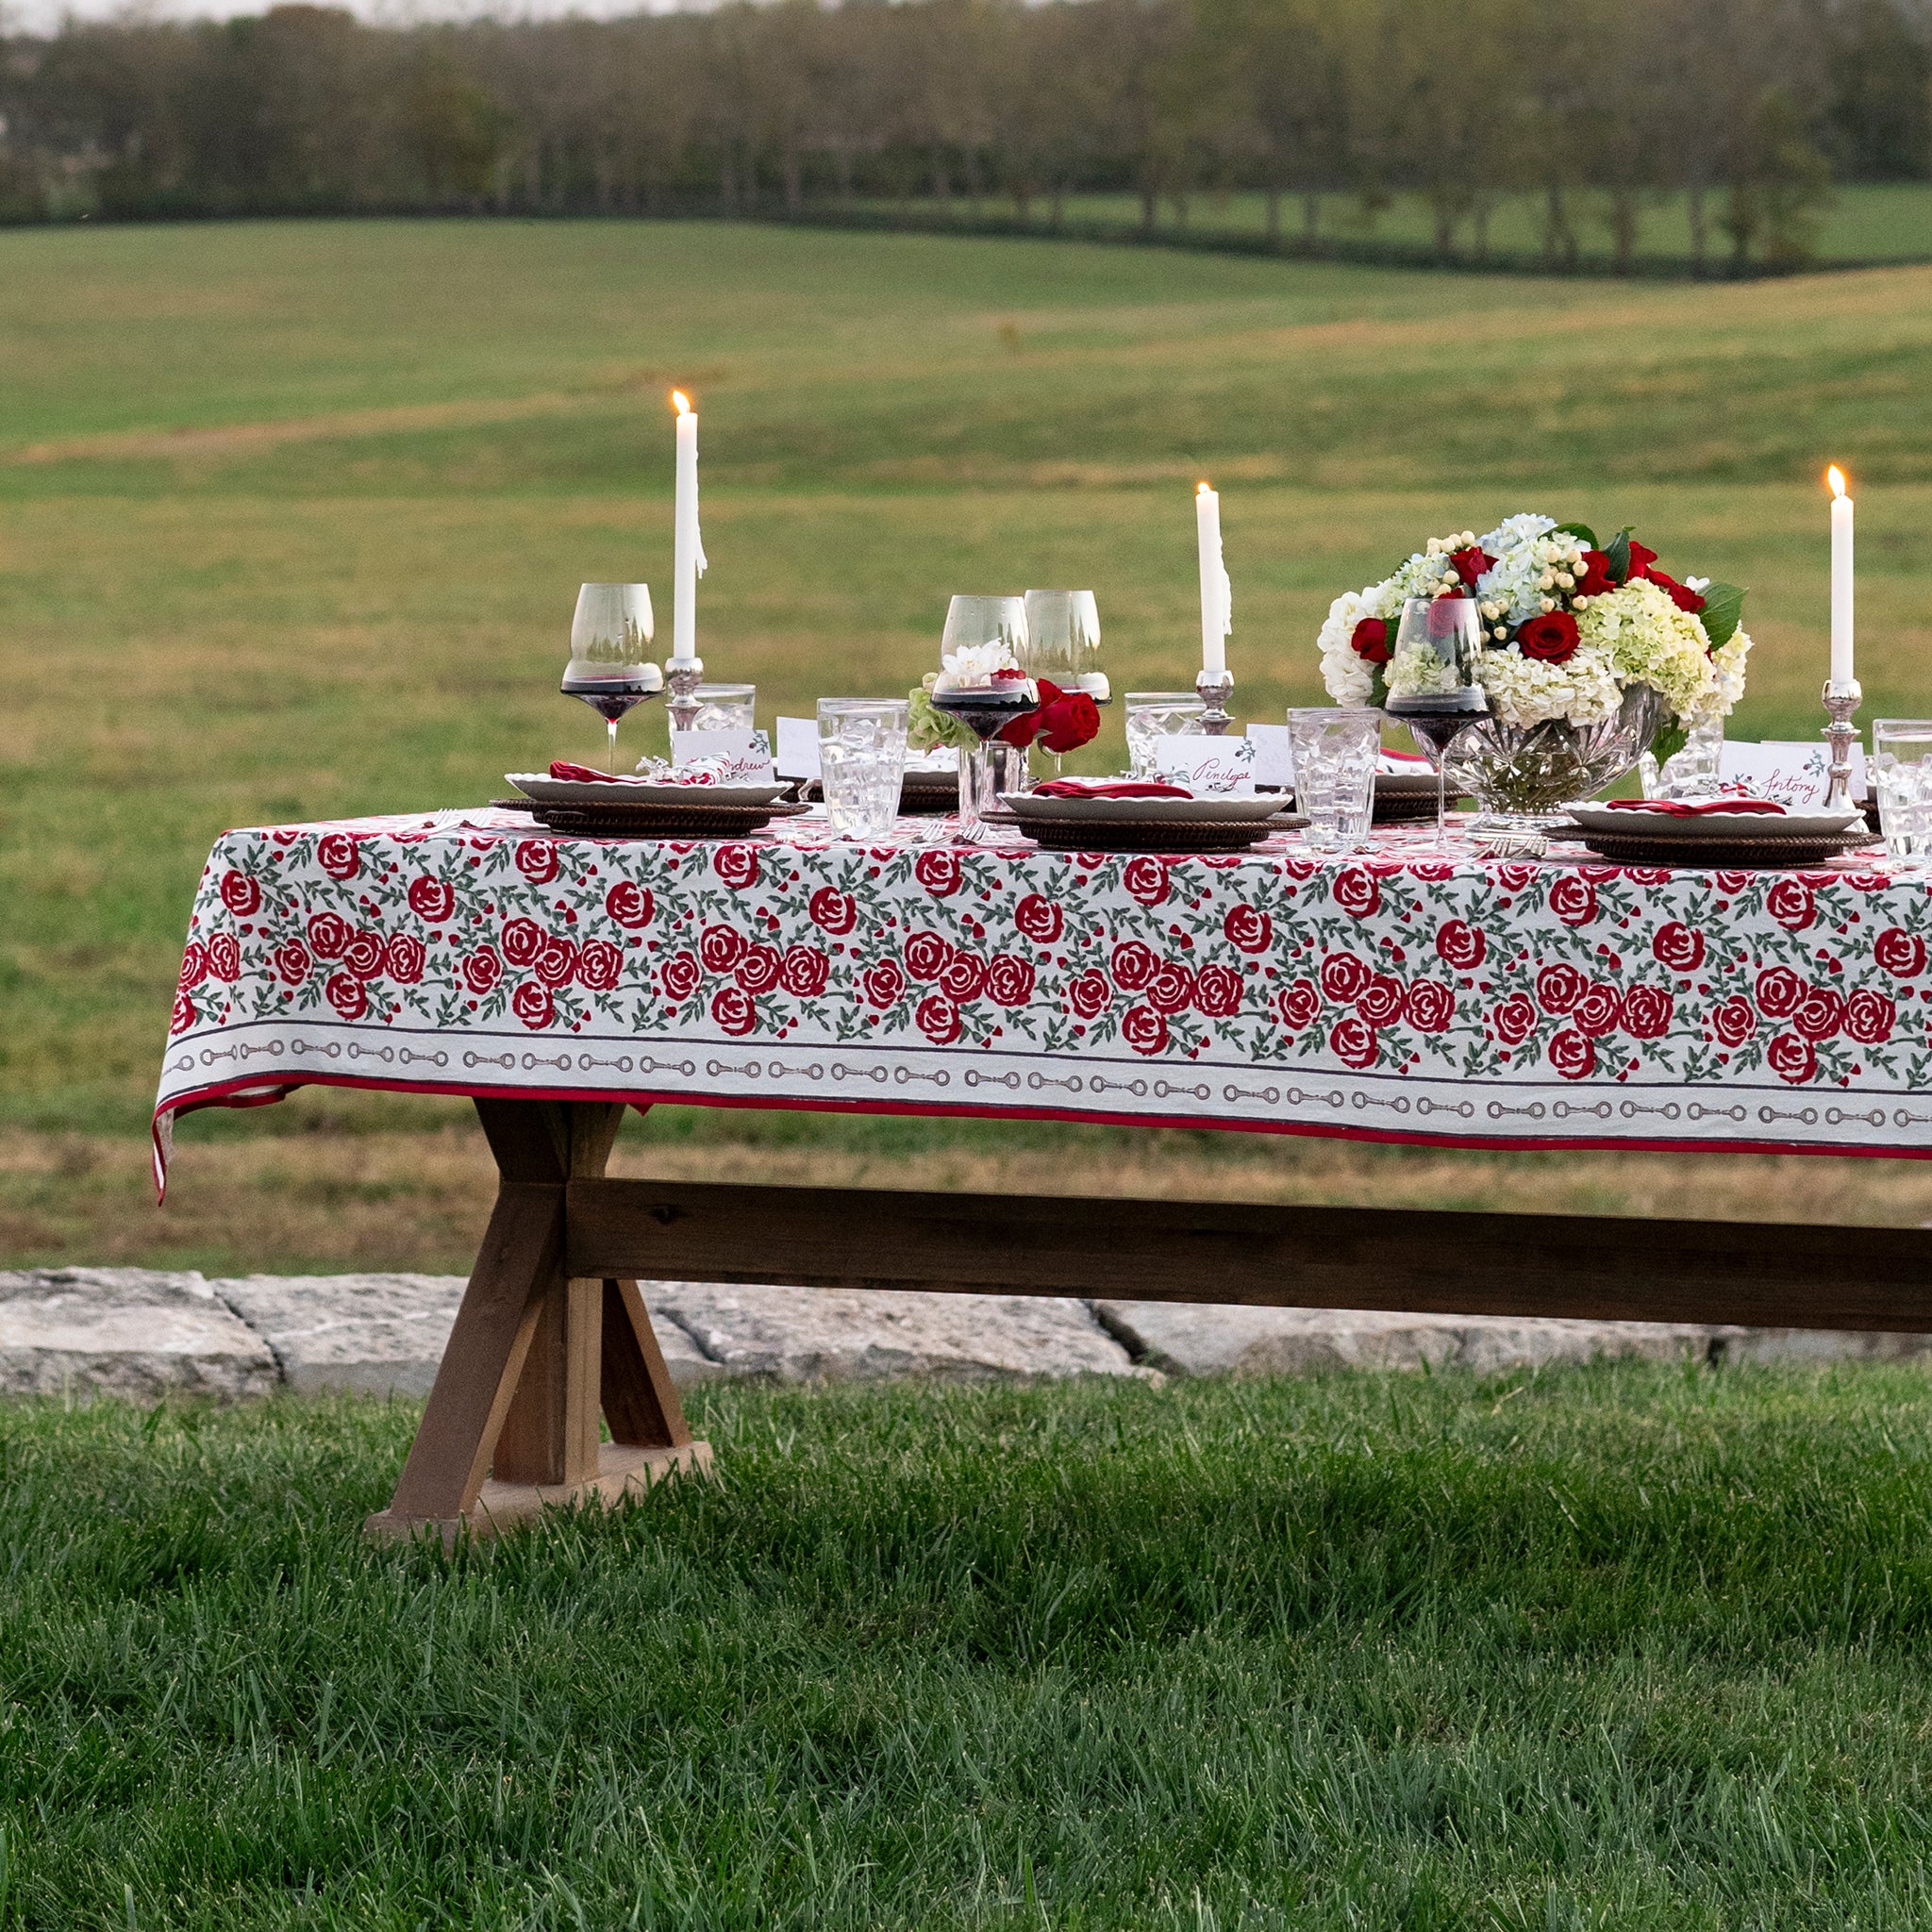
1152, 835
1770, 853
653, 819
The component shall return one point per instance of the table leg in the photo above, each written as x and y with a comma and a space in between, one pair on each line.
510, 1426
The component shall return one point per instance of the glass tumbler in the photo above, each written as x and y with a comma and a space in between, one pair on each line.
1335, 750
1153, 715
862, 759
725, 708
1901, 779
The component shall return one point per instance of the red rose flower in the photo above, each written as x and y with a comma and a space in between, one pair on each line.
536, 860
1902, 954
1353, 1041
630, 906
1171, 988
1460, 946
1515, 1018
804, 972
1299, 1005
1647, 1012
1682, 595
183, 1016
1790, 903
335, 852
927, 954
482, 970
1641, 557
1430, 1007
732, 1010
194, 965
1343, 977
1513, 876
681, 976
431, 900
721, 947
883, 985
1573, 1055
1040, 919
938, 871
290, 960
965, 978
1380, 1000
1573, 899
1559, 986
1779, 990
833, 911
1355, 892
225, 958
1791, 1058
1596, 580
520, 939
239, 894
758, 970
1470, 564
1821, 1013
737, 865
1368, 640
1133, 965
1144, 1030
1145, 880
1090, 995
1550, 639
1675, 945
1067, 720
556, 962
938, 1018
1218, 991
404, 959
1598, 1011
1734, 1021
362, 955
346, 995
1010, 979
1870, 1017
599, 966
329, 934
1248, 929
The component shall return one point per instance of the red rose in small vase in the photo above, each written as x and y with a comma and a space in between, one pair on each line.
1460, 946
329, 934
833, 911
1573, 1055
1144, 1030
1870, 1017
1145, 880
1430, 1007
1779, 990
1299, 1005
1353, 1041
737, 865
291, 959
1343, 977
1133, 965
1791, 1058
938, 1018
758, 970
362, 955
520, 939
1902, 954
1559, 986
1647, 1012
1598, 1012
1550, 639
599, 964
1368, 640
631, 905
1790, 903
1248, 929
335, 852
927, 954
225, 958
681, 976
431, 900
1090, 995
1039, 920
964, 977
1573, 899
241, 894
1734, 1021
938, 871
346, 995
404, 959
482, 970
1355, 892
721, 947
1380, 1001
733, 1011
1515, 1018
1678, 946
883, 985
556, 962
1171, 988
1067, 719
1820, 1013
1010, 979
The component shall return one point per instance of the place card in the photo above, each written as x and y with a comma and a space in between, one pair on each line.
798, 747
1273, 755
1790, 771
1210, 767
744, 755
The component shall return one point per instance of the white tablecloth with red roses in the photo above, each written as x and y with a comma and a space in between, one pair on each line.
1396, 994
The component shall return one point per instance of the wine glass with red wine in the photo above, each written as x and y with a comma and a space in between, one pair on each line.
610, 667
1433, 687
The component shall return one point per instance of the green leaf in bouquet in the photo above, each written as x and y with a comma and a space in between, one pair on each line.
1723, 611
1618, 551
1379, 691
1670, 739
1582, 532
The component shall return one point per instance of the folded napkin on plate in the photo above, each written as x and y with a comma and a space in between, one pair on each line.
1109, 787
583, 775
1696, 808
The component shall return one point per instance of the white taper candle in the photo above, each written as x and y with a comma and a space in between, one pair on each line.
688, 556
1217, 593
1840, 579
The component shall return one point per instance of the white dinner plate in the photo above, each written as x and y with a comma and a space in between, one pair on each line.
1180, 811
1714, 824
566, 790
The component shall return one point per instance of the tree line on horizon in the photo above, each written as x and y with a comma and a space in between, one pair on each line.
1746, 110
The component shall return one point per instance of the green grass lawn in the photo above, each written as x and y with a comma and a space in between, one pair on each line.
292, 518
1625, 1647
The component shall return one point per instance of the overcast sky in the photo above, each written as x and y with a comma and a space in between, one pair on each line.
43, 16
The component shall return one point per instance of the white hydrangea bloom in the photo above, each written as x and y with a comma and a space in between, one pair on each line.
1651, 642
1727, 675
1418, 672
1350, 679
1523, 547
1523, 692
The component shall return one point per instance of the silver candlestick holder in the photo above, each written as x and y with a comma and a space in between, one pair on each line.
1215, 689
682, 677
1840, 700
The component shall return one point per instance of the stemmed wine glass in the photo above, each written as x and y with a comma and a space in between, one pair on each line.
1432, 683
985, 706
609, 665
1063, 644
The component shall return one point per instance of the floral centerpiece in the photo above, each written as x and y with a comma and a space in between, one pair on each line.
1065, 721
1590, 653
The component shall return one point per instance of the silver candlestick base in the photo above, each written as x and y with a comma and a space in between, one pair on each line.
1840, 701
682, 677
1216, 687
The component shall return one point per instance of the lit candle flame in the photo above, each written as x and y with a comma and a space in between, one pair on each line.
680, 402
1202, 490
1836, 477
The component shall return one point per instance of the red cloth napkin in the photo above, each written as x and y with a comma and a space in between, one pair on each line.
1109, 787
583, 775
1696, 808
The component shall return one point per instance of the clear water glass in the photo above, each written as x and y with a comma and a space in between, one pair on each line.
725, 708
1335, 751
861, 760
1153, 715
1901, 778
1692, 771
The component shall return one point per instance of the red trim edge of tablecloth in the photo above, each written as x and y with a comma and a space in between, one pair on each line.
234, 1093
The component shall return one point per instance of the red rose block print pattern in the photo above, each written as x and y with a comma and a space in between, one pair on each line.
1499, 988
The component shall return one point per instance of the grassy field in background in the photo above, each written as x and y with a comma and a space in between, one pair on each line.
1628, 1647
292, 519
